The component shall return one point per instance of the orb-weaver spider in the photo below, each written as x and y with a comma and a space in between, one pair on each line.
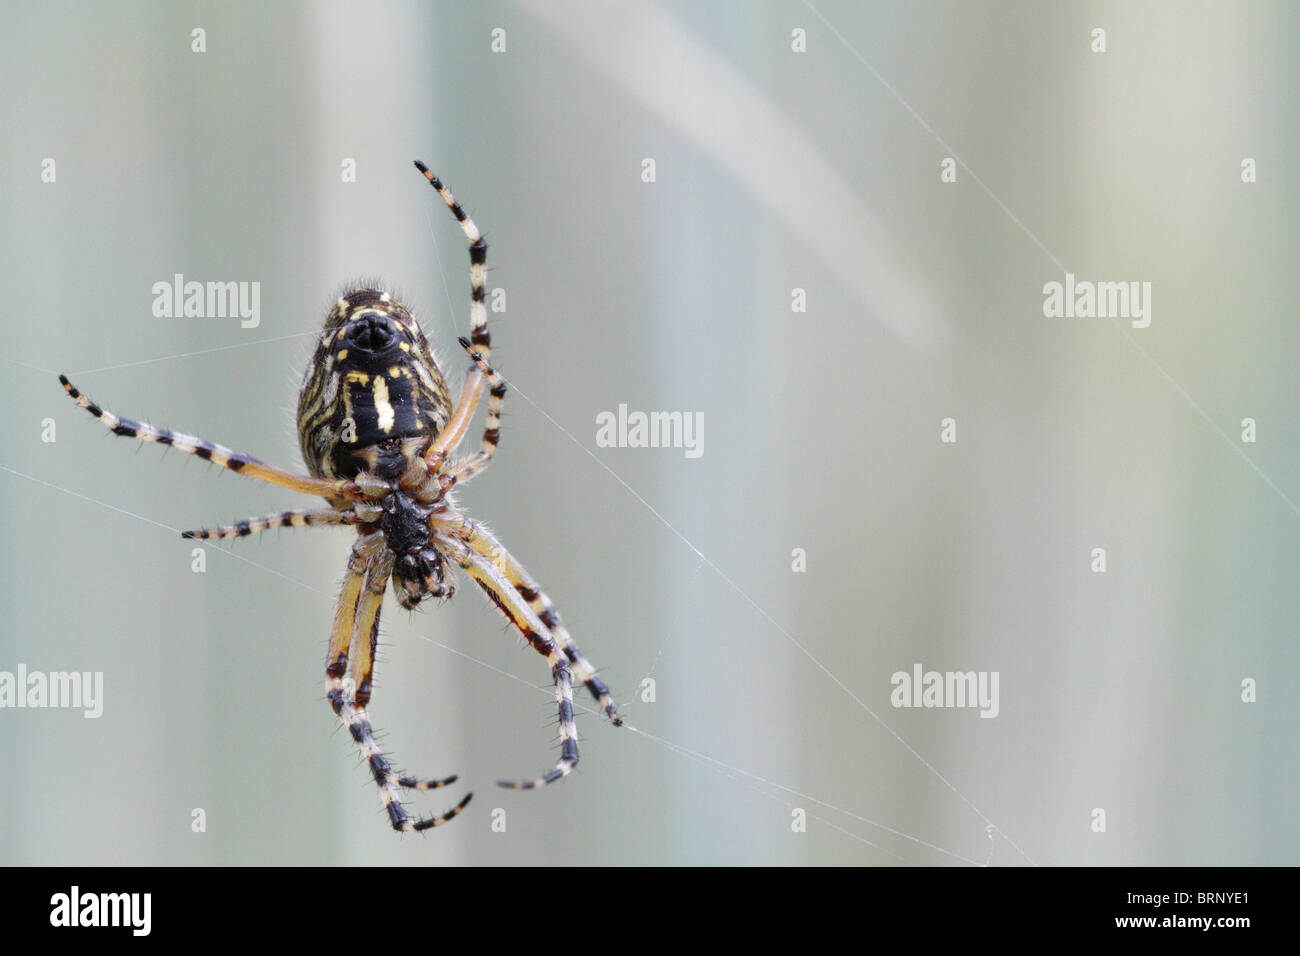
377, 431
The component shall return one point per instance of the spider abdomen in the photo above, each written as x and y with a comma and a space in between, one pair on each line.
372, 381
378, 434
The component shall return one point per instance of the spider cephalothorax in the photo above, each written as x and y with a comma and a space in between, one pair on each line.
377, 429
417, 568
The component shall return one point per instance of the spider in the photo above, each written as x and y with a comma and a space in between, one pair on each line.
378, 430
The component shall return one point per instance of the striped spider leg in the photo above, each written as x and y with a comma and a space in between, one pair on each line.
506, 583
502, 578
377, 430
356, 619
455, 527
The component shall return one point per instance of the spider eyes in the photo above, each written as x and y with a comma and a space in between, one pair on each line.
373, 333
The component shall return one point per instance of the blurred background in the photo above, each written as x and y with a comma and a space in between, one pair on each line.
795, 147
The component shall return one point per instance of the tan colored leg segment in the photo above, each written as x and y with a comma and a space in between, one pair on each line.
486, 544
217, 454
356, 622
516, 610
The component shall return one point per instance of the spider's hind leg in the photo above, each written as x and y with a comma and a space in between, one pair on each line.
217, 454
465, 469
479, 347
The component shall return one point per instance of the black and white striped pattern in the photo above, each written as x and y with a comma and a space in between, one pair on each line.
482, 540
217, 454
356, 628
467, 468
479, 338
284, 519
547, 614
358, 726
399, 486
494, 583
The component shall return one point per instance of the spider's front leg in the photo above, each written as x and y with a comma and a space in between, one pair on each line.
486, 544
356, 620
517, 611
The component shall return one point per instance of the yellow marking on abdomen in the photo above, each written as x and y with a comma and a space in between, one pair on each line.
382, 405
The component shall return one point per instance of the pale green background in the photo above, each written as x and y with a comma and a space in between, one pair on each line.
821, 429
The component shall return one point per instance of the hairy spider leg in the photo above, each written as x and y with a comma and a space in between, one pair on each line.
485, 543
370, 566
217, 454
284, 519
356, 618
480, 372
516, 610
465, 469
